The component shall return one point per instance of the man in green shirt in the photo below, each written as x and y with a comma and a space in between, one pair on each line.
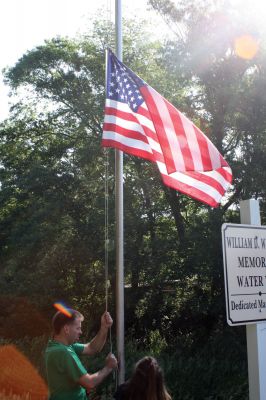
67, 377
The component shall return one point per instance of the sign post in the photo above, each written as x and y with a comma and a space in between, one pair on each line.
244, 248
256, 333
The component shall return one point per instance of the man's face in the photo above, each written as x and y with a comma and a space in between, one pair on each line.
73, 331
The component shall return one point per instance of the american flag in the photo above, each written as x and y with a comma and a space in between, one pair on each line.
141, 122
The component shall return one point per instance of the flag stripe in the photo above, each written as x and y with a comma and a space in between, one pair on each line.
165, 130
122, 127
190, 182
115, 124
200, 195
209, 179
182, 137
226, 173
124, 112
126, 147
192, 142
139, 121
204, 150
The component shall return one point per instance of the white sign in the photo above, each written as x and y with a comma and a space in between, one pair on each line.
244, 251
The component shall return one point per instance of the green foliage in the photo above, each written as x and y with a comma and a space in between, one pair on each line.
217, 371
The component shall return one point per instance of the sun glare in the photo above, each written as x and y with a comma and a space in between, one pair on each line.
246, 46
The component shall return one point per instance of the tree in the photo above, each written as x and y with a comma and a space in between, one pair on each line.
53, 177
53, 170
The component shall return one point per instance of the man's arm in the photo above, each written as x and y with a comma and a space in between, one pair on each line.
89, 381
99, 340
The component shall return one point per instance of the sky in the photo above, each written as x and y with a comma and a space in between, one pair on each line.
25, 24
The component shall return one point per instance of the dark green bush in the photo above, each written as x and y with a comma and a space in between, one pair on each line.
216, 370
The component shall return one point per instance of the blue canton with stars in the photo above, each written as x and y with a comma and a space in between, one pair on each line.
122, 84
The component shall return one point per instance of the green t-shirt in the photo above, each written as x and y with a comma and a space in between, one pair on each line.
64, 369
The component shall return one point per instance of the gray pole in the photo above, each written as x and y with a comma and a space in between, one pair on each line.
120, 330
256, 333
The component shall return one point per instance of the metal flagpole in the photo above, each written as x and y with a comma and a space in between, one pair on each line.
119, 223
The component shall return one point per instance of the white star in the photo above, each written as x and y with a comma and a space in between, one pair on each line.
111, 94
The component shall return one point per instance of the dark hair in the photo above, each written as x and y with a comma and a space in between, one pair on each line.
59, 319
147, 382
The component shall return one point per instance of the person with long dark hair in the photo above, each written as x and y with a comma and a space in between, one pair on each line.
146, 383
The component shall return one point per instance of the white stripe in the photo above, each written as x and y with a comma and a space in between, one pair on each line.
169, 129
136, 144
214, 155
194, 183
192, 141
154, 145
218, 177
147, 122
123, 123
228, 169
128, 125
118, 105
134, 126
125, 108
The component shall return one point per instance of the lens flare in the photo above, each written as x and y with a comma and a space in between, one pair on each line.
19, 379
63, 309
246, 47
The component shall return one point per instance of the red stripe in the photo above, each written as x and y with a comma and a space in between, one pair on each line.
131, 134
109, 110
206, 179
189, 190
225, 174
155, 157
159, 128
125, 132
181, 137
128, 116
153, 114
128, 149
143, 111
204, 150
